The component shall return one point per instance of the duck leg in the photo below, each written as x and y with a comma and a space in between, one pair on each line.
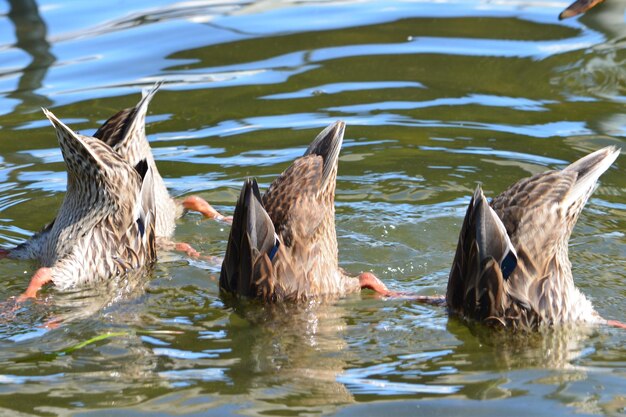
41, 278
200, 205
164, 244
616, 323
186, 248
193, 203
4, 253
370, 281
192, 253
434, 300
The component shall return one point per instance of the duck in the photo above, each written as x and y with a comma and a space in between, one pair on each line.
125, 133
283, 244
511, 268
578, 7
105, 226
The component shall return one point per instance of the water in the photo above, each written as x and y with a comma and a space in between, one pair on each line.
437, 97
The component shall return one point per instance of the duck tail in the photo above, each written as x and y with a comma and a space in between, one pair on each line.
76, 149
138, 122
485, 258
328, 145
588, 169
252, 244
126, 128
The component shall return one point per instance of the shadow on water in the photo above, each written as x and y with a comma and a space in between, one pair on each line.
287, 356
30, 33
259, 359
547, 349
551, 364
55, 310
438, 360
82, 333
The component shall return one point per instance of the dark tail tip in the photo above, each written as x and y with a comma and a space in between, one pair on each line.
234, 269
327, 145
327, 140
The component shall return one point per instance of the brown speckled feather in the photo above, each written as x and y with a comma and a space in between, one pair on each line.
105, 225
516, 271
289, 251
294, 201
113, 130
125, 132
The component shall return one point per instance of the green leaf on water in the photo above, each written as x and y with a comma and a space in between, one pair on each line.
92, 340
112, 334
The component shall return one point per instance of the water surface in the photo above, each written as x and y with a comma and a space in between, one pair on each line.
437, 97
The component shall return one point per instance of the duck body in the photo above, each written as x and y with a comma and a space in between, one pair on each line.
125, 133
106, 224
283, 245
511, 266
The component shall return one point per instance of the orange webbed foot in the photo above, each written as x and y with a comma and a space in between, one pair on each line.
200, 205
164, 244
370, 281
192, 253
616, 323
41, 278
187, 248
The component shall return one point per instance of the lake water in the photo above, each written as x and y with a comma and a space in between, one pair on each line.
437, 96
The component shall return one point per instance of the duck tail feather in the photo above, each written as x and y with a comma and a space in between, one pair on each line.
484, 258
128, 124
491, 236
327, 145
588, 170
252, 237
